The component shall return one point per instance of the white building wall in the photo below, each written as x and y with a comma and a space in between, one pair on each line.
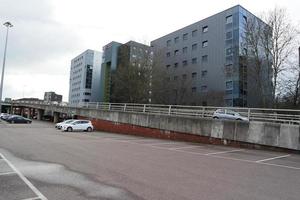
78, 92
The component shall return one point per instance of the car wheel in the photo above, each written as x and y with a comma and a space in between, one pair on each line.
69, 129
239, 119
89, 129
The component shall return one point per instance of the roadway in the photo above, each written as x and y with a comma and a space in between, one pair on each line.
39, 162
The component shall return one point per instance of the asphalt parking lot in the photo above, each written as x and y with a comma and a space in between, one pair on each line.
39, 162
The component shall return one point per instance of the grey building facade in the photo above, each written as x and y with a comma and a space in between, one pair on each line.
117, 55
52, 96
85, 77
203, 60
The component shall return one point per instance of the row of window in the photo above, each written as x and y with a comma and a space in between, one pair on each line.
194, 89
185, 49
185, 62
194, 75
185, 36
78, 59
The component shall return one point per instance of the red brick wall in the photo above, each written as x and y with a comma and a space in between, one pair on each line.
113, 127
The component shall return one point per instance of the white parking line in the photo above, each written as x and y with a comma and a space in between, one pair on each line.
34, 198
7, 173
28, 183
222, 152
187, 147
154, 144
268, 159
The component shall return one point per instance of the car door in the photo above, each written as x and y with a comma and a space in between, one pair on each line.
76, 125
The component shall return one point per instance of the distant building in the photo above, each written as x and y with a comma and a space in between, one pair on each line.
29, 99
52, 96
117, 55
204, 62
109, 64
85, 78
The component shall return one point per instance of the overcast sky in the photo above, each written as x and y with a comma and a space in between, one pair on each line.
47, 34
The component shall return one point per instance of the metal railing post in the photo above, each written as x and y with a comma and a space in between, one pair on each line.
170, 107
249, 113
109, 106
97, 106
144, 109
203, 111
125, 105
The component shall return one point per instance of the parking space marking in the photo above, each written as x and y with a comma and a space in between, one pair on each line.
28, 183
213, 154
222, 152
7, 173
35, 198
187, 147
273, 158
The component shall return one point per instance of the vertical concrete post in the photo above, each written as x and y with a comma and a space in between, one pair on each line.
55, 117
21, 111
40, 114
28, 113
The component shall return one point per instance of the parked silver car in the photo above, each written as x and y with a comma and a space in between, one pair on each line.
228, 114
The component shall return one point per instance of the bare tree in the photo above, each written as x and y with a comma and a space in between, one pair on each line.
131, 81
270, 46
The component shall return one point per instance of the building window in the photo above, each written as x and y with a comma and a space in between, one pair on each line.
184, 76
229, 19
229, 51
184, 50
229, 35
89, 75
176, 40
175, 65
204, 44
168, 66
204, 88
204, 58
194, 33
185, 36
194, 89
184, 63
194, 75
229, 85
245, 19
168, 43
204, 73
168, 54
87, 93
175, 78
176, 52
194, 61
204, 29
194, 47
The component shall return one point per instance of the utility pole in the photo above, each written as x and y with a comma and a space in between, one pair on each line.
8, 25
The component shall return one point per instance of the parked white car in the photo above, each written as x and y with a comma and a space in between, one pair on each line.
59, 125
78, 125
228, 114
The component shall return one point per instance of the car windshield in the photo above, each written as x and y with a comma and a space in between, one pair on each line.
68, 121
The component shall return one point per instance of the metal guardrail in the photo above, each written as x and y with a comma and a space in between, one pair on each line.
253, 114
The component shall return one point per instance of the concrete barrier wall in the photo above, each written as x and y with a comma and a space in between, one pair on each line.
217, 131
191, 129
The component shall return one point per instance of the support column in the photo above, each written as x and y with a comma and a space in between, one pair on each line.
28, 113
40, 114
21, 111
55, 117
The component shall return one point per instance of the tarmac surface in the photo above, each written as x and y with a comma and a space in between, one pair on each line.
38, 162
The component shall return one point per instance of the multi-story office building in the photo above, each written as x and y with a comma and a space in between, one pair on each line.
85, 77
116, 56
109, 64
203, 61
52, 96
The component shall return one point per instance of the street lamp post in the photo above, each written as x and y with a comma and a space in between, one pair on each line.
8, 25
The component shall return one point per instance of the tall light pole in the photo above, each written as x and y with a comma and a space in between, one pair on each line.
8, 25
